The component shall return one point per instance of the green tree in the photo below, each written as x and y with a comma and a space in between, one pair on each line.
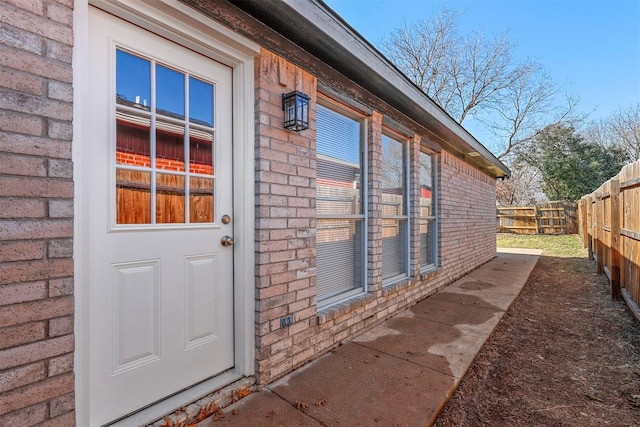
570, 166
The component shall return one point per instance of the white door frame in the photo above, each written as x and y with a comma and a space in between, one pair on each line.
195, 31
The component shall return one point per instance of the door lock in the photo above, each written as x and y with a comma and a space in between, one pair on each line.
226, 241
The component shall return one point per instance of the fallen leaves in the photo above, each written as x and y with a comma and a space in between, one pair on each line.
321, 402
301, 405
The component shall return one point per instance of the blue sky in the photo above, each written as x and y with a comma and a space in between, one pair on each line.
592, 47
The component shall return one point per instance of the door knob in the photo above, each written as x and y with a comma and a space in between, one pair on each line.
226, 241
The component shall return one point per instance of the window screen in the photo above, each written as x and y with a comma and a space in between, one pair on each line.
340, 224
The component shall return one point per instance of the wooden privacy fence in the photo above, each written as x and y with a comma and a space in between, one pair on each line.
547, 218
610, 229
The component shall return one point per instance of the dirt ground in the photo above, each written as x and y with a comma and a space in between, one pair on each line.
564, 354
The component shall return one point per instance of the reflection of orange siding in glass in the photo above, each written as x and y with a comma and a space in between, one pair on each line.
201, 169
164, 164
133, 148
132, 159
133, 197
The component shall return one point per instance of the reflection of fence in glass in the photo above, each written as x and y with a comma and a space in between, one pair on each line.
133, 187
425, 208
133, 198
337, 200
392, 204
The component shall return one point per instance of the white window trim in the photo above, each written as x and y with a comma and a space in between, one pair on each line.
195, 31
329, 103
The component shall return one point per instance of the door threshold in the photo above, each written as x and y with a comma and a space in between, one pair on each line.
171, 404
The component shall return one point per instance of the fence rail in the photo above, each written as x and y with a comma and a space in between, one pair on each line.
548, 218
610, 229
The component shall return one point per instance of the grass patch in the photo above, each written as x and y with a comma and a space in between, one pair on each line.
560, 246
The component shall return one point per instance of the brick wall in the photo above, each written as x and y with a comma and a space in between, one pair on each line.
285, 231
36, 213
467, 216
285, 221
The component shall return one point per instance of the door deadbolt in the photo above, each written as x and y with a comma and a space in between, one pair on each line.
226, 241
226, 219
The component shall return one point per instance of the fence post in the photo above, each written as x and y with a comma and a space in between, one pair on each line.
614, 253
535, 219
590, 226
598, 211
583, 222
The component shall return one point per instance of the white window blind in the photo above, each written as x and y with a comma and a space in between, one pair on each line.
395, 237
339, 234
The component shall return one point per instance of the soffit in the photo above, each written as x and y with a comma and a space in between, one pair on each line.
314, 27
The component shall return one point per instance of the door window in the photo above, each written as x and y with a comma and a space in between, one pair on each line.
165, 144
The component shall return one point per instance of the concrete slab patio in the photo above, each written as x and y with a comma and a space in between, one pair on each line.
402, 372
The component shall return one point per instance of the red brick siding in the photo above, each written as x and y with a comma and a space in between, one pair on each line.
36, 214
161, 164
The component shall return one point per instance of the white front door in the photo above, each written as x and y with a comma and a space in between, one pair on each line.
159, 211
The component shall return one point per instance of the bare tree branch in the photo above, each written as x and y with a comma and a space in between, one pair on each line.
625, 126
622, 129
476, 76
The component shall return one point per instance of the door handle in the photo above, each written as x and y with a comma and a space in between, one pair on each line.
226, 241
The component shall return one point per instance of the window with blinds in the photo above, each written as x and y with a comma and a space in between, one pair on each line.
427, 212
395, 230
340, 237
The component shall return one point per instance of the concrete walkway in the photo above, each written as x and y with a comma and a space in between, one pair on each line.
402, 372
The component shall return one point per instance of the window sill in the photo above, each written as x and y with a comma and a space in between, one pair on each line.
328, 313
429, 271
397, 286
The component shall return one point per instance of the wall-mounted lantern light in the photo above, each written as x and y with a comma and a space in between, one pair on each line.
296, 110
